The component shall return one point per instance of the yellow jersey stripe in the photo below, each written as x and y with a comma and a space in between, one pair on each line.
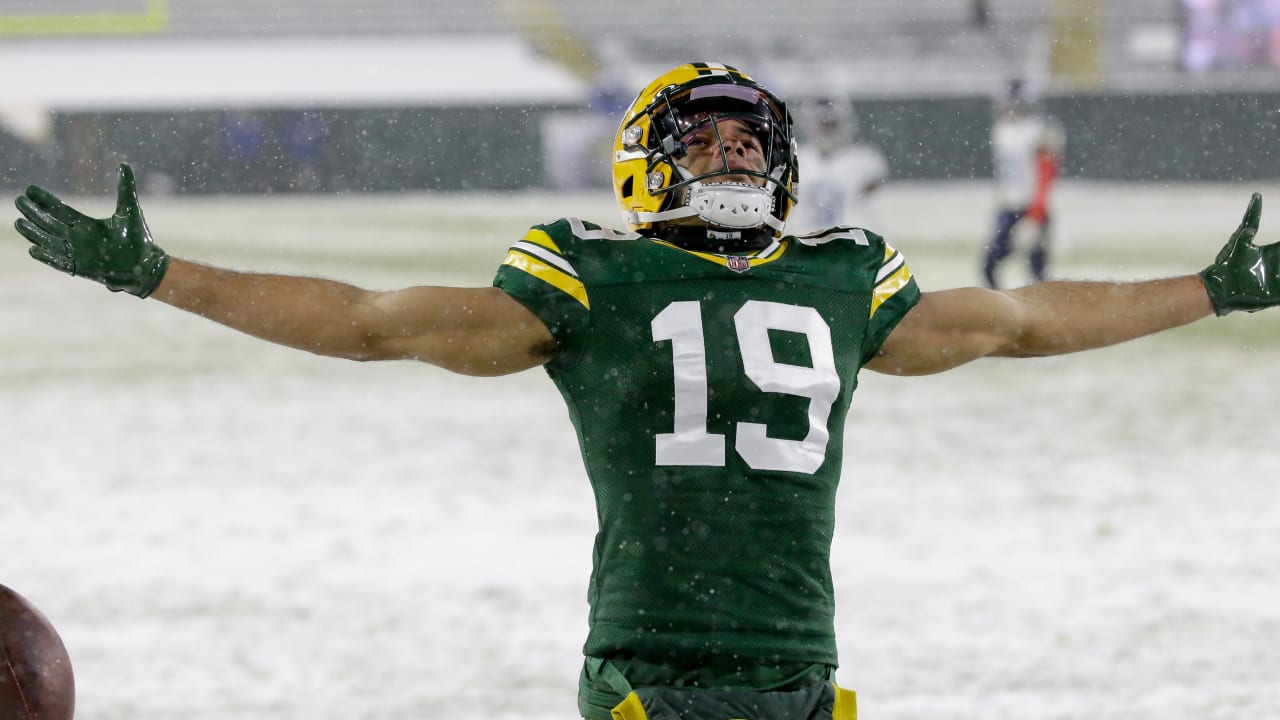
892, 261
889, 287
552, 276
540, 237
778, 251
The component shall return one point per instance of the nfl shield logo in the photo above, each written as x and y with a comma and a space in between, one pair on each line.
737, 264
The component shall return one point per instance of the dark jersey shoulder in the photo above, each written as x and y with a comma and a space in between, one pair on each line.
558, 268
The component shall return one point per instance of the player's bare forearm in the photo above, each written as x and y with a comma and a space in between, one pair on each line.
953, 327
305, 313
475, 331
1069, 316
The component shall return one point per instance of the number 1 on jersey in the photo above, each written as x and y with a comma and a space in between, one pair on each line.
690, 444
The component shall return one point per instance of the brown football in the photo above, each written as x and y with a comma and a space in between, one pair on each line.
36, 682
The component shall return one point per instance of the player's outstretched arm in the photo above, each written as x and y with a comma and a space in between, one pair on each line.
953, 327
475, 331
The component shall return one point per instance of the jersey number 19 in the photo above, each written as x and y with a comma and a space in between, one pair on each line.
690, 443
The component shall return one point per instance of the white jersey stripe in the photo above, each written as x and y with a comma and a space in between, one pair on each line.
890, 267
580, 230
551, 258
825, 236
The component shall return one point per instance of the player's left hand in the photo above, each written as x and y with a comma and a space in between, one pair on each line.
1244, 276
116, 251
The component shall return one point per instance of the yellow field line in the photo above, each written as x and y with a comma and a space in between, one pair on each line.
154, 18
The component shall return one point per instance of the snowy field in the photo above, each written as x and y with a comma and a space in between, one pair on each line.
225, 530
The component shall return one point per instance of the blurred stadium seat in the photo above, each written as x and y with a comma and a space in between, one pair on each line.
913, 66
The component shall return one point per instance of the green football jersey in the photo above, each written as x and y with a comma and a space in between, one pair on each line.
709, 394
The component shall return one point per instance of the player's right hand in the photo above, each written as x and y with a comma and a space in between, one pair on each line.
116, 251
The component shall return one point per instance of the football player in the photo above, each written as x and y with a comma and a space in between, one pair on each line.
842, 174
708, 360
1026, 151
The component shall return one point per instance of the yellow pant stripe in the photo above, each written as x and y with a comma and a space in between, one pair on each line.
630, 709
846, 705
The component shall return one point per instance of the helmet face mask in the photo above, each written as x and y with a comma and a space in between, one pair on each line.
699, 103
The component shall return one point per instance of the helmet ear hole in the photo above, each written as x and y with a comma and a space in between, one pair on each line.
627, 189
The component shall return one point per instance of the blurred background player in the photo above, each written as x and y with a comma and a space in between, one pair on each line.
840, 173
1026, 150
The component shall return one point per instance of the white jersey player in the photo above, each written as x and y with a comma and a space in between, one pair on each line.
840, 175
1026, 149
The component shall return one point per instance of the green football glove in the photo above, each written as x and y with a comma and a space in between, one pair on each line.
1244, 276
116, 251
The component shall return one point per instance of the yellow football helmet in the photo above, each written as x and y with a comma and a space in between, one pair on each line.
651, 186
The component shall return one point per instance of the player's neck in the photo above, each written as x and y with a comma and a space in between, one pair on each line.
701, 238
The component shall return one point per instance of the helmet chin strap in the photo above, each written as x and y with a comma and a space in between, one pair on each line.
736, 206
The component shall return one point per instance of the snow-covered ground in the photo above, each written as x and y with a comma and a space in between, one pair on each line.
222, 529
